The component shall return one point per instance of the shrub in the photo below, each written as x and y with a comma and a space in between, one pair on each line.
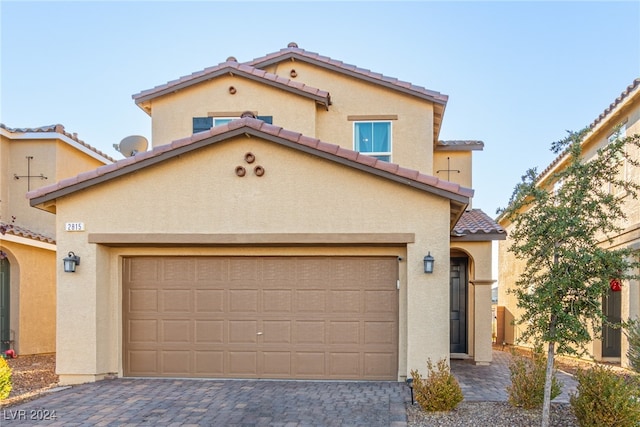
440, 391
633, 335
5, 379
528, 379
604, 399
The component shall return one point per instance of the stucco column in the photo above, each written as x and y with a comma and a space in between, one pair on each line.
482, 325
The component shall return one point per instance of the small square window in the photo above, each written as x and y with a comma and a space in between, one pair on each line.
373, 139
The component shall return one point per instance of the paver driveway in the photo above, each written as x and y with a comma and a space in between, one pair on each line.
162, 402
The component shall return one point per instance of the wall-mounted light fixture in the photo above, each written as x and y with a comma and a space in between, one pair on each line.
428, 263
70, 262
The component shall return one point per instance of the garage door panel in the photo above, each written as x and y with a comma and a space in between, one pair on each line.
143, 331
345, 302
277, 301
276, 364
175, 362
243, 301
380, 302
175, 331
310, 332
243, 363
176, 301
209, 363
243, 331
276, 332
310, 301
143, 300
261, 317
209, 300
379, 333
311, 364
209, 332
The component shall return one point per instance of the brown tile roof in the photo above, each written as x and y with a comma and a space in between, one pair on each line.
16, 230
233, 68
459, 145
293, 52
628, 92
474, 224
57, 129
250, 126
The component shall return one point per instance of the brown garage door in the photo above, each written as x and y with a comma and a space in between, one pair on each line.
261, 317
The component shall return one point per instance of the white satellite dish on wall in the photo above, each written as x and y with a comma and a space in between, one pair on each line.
131, 145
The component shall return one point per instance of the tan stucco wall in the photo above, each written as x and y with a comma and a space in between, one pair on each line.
412, 131
200, 193
32, 296
459, 161
510, 268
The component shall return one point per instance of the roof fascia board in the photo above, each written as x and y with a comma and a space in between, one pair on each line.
245, 130
346, 71
481, 237
61, 137
230, 71
8, 237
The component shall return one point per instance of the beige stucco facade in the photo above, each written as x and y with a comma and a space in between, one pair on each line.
199, 195
624, 111
37, 157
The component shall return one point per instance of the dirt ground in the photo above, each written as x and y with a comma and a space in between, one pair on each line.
31, 375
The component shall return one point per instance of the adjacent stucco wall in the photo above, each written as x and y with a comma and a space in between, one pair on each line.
627, 113
33, 295
200, 193
459, 166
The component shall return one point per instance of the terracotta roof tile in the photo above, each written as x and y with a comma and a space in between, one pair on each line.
633, 87
302, 54
16, 230
289, 138
476, 222
225, 68
57, 129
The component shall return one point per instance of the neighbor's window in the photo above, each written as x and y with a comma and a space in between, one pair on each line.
620, 163
373, 139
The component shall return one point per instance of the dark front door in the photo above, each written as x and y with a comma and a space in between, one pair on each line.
612, 306
458, 285
5, 328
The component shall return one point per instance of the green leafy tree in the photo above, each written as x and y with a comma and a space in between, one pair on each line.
633, 336
562, 225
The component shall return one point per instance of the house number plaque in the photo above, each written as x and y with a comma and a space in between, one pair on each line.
74, 226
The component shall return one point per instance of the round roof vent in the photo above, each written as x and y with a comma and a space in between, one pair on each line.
293, 44
232, 59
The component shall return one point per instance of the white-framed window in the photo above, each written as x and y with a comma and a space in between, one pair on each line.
373, 138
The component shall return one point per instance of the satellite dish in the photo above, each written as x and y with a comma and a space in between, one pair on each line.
132, 145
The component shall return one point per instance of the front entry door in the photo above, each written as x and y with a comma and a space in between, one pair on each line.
611, 306
5, 328
458, 286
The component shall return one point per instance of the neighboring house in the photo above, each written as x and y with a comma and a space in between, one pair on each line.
278, 228
29, 159
623, 112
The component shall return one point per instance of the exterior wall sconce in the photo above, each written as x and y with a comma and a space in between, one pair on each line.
70, 262
428, 263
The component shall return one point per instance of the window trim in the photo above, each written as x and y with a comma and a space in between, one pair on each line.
376, 154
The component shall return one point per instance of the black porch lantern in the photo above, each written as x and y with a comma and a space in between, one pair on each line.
428, 263
70, 262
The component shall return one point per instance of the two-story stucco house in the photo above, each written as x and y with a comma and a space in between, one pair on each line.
623, 115
280, 227
31, 158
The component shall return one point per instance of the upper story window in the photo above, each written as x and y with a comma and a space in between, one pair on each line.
201, 124
373, 138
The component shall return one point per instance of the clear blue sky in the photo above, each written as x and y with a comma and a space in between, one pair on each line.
518, 74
